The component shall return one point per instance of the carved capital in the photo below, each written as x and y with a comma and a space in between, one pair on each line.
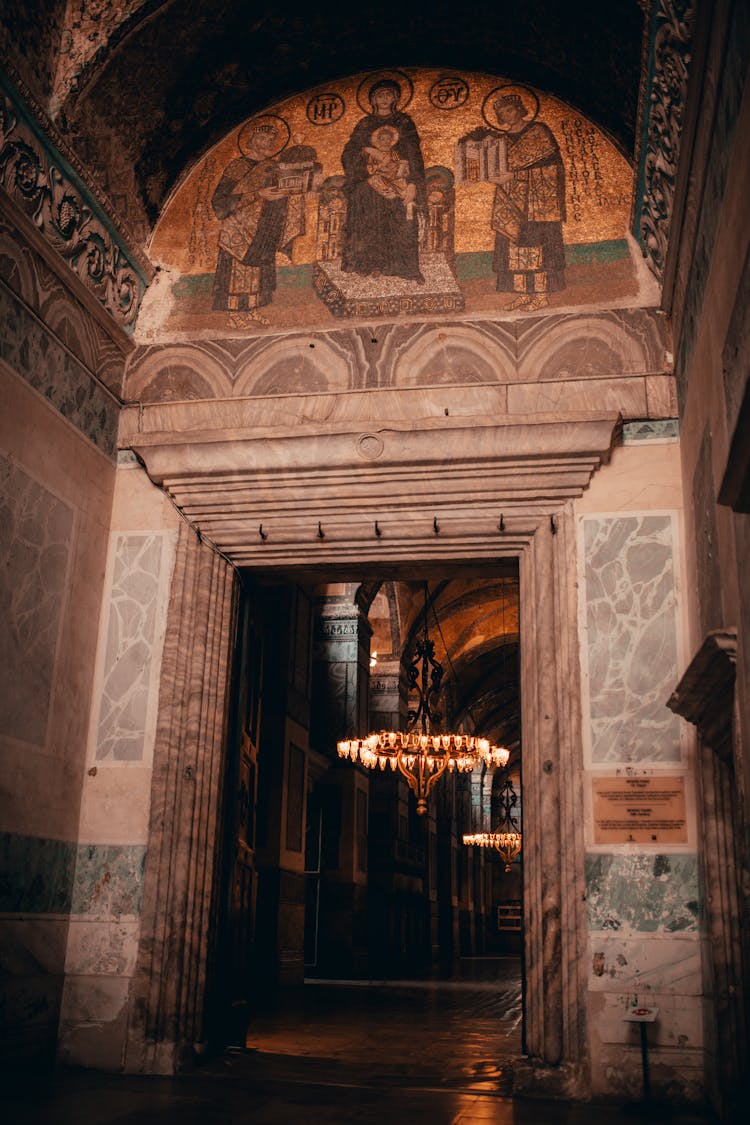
705, 694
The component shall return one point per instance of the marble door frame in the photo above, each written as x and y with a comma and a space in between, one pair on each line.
168, 1019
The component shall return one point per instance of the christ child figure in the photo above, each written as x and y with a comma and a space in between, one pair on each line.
387, 172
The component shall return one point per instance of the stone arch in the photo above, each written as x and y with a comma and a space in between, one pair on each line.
294, 366
177, 373
583, 347
459, 354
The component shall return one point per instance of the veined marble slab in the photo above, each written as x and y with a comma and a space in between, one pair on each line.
642, 893
136, 571
631, 637
108, 880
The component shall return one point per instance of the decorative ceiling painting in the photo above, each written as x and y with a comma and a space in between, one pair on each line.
395, 194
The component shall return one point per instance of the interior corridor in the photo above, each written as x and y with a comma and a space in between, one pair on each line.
459, 1034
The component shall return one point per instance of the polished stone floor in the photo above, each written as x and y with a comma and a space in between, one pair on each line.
372, 1053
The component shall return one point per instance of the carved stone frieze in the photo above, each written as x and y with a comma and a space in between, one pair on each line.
671, 38
43, 185
542, 360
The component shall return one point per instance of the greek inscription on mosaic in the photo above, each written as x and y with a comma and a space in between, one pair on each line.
449, 92
324, 109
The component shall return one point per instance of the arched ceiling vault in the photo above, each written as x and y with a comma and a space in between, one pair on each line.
142, 89
474, 627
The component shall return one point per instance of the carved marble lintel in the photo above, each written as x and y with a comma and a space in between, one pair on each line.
671, 39
705, 694
42, 183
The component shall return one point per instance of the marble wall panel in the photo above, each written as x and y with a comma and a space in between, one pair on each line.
129, 646
102, 948
661, 396
645, 894
30, 1017
631, 637
621, 962
32, 947
656, 429
36, 531
39, 876
36, 875
108, 880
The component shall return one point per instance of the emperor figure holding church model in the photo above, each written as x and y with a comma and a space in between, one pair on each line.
522, 158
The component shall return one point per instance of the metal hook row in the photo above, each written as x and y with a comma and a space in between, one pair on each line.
379, 531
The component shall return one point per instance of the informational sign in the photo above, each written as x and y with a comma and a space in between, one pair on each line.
639, 810
641, 1014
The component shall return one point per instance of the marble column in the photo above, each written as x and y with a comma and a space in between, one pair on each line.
341, 676
167, 1024
388, 696
342, 660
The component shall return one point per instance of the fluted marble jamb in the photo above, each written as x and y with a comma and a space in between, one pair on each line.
553, 831
727, 1018
177, 923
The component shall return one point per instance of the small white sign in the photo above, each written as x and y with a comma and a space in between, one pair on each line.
641, 1014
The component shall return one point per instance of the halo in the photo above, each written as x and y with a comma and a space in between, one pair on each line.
247, 130
406, 84
529, 100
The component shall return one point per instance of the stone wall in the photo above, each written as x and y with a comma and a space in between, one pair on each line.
644, 901
113, 831
711, 263
57, 431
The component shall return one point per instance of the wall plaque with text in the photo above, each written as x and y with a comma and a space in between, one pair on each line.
639, 810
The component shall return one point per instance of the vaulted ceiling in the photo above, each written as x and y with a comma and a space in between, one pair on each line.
474, 626
141, 88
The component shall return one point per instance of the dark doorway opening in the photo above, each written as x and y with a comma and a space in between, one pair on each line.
342, 907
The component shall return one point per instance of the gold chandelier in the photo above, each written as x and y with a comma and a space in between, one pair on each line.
507, 839
421, 754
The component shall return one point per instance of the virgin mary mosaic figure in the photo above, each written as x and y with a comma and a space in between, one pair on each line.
384, 186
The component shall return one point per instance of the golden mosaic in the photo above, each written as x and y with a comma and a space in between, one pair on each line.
399, 193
